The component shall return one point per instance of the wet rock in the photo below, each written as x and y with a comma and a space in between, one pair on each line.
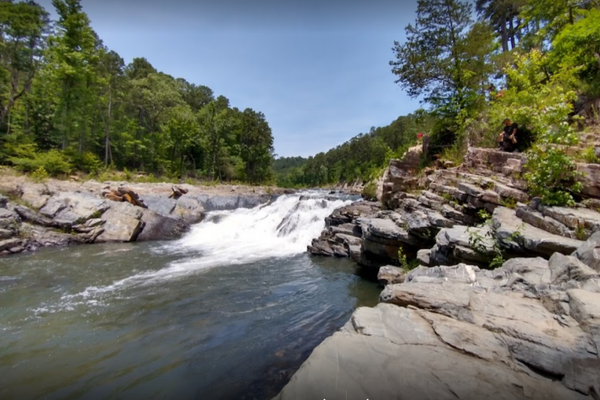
160, 227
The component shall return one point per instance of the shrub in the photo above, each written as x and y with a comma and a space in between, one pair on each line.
370, 191
53, 161
40, 174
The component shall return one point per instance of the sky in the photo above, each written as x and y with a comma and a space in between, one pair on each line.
318, 69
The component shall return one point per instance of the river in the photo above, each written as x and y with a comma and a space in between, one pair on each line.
229, 311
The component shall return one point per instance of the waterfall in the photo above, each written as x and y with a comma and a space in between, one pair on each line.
279, 229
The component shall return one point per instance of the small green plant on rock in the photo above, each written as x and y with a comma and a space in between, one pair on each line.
509, 202
39, 175
589, 155
370, 191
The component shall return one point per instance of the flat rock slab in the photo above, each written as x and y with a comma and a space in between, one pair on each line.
395, 353
517, 235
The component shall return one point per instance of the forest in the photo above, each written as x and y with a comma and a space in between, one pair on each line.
69, 104
473, 64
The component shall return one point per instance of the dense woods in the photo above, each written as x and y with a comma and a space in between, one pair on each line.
68, 103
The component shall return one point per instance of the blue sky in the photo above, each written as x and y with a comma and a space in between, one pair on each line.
318, 70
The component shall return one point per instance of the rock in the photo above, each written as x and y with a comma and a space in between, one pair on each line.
79, 207
521, 237
35, 194
9, 243
3, 201
388, 275
189, 210
5, 233
159, 204
389, 352
423, 256
53, 206
567, 268
573, 217
539, 220
462, 243
122, 223
160, 227
589, 176
589, 252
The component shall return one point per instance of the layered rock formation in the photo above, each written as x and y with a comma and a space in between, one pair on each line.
527, 330
451, 329
60, 213
442, 221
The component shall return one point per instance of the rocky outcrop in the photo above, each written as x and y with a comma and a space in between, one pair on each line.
60, 213
440, 221
527, 330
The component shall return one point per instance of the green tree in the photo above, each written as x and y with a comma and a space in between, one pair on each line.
23, 30
433, 62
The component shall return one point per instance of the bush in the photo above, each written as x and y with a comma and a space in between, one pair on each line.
370, 191
86, 162
53, 161
443, 136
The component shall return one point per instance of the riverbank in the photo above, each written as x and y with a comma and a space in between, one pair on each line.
455, 328
56, 213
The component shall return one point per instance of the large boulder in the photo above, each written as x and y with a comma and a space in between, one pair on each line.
122, 223
160, 227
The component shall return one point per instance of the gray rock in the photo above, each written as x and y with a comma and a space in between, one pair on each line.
9, 243
3, 201
161, 205
537, 219
391, 353
5, 233
122, 223
79, 207
53, 206
423, 256
160, 227
389, 274
589, 252
519, 236
567, 268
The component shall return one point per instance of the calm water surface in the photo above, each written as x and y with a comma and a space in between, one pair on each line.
228, 312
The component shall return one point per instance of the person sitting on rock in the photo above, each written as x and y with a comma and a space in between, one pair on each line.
507, 139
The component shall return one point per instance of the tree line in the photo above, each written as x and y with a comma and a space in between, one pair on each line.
473, 64
67, 102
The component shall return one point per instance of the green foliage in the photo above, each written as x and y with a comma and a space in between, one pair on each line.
76, 97
53, 161
406, 265
589, 155
370, 191
509, 202
39, 175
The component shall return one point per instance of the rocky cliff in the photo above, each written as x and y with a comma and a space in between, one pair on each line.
453, 328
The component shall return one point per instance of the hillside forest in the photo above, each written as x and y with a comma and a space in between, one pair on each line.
69, 104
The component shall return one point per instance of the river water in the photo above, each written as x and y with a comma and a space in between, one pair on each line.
230, 311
